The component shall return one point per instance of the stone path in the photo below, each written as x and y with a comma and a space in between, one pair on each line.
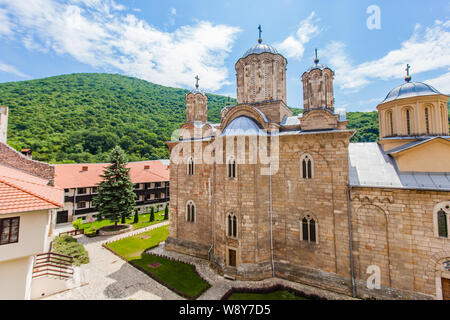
109, 277
220, 285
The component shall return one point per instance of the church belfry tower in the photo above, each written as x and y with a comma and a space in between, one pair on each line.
196, 105
318, 87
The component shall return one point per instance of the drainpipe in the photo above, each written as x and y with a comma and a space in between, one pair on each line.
349, 214
212, 206
270, 209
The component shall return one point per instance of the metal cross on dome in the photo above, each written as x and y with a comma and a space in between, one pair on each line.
260, 31
196, 78
408, 77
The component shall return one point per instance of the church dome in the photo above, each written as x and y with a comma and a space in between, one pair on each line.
410, 89
260, 48
318, 66
242, 126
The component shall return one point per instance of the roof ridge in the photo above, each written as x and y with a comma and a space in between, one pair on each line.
30, 192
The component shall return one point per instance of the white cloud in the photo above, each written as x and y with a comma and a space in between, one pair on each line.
441, 83
5, 24
427, 49
294, 45
10, 69
103, 34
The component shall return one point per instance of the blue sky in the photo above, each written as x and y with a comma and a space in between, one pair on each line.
169, 42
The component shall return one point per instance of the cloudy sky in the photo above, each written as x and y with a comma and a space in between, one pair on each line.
169, 42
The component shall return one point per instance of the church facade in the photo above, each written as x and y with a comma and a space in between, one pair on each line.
266, 194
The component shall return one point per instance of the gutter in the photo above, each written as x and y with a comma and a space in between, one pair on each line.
350, 241
212, 206
270, 210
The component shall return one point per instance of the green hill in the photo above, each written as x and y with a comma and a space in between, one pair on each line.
79, 117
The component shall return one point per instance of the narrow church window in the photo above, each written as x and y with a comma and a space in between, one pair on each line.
408, 123
307, 167
232, 225
190, 212
309, 229
442, 224
391, 123
427, 122
190, 166
231, 167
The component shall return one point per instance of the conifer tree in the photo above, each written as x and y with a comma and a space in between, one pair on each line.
166, 212
115, 199
152, 214
136, 215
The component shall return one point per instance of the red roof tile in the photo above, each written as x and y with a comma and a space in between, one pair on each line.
73, 176
20, 192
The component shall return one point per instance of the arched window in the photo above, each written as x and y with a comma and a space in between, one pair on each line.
231, 167
441, 219
231, 225
408, 122
390, 123
427, 120
190, 211
307, 166
309, 229
190, 166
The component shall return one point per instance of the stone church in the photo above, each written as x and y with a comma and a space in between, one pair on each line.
327, 213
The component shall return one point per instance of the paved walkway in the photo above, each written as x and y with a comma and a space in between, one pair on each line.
109, 277
220, 285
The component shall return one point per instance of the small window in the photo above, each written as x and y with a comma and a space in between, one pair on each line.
81, 191
232, 225
190, 167
427, 120
137, 186
442, 224
94, 190
190, 212
307, 167
408, 123
81, 205
231, 167
309, 229
9, 230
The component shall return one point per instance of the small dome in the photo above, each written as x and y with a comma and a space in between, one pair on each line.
242, 126
260, 48
318, 66
410, 89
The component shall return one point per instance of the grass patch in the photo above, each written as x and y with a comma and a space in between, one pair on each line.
177, 276
69, 246
91, 227
275, 295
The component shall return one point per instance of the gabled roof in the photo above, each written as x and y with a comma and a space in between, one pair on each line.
21, 192
413, 144
369, 166
73, 176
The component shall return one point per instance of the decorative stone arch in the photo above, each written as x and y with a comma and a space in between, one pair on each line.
309, 228
191, 211
306, 166
190, 166
231, 225
367, 224
243, 110
408, 120
231, 167
307, 150
428, 111
438, 267
445, 207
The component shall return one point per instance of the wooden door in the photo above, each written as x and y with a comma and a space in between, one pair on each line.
445, 289
232, 257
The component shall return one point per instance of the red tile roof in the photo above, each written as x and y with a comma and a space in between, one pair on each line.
73, 176
21, 192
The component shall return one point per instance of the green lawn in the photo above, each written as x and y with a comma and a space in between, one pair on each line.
143, 222
176, 274
274, 295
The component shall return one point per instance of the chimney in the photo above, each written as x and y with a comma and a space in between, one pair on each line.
3, 124
84, 168
146, 167
28, 153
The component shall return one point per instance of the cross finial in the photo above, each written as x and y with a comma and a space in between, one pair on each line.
196, 83
408, 77
260, 31
316, 60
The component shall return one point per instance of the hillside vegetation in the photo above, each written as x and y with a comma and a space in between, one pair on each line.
79, 117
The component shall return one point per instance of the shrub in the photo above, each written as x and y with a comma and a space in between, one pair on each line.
77, 223
69, 246
136, 215
152, 214
166, 212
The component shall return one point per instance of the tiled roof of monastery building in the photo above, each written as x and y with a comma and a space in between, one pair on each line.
22, 192
73, 175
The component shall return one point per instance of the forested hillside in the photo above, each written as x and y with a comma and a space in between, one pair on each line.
79, 117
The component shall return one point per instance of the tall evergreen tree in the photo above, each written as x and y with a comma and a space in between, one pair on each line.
152, 214
115, 199
136, 215
166, 212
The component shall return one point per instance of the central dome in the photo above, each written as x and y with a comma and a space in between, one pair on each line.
410, 89
260, 48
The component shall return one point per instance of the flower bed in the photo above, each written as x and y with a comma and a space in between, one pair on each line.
113, 230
